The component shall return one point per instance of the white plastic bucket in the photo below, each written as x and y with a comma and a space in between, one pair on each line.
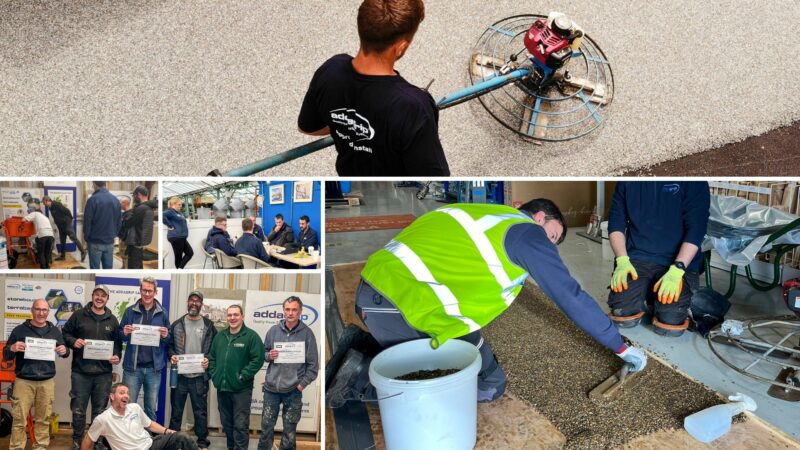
3, 253
440, 413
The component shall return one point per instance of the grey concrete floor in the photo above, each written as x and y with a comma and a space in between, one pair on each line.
689, 353
179, 88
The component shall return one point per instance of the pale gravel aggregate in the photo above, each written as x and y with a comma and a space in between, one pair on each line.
178, 88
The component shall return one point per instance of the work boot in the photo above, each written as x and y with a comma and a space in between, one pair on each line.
75, 445
341, 389
62, 257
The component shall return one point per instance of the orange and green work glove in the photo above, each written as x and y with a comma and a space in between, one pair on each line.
619, 280
669, 287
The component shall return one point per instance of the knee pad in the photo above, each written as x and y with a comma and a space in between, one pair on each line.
626, 321
665, 329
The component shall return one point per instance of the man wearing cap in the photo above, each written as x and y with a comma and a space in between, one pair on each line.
35, 382
102, 219
137, 226
192, 334
63, 218
87, 331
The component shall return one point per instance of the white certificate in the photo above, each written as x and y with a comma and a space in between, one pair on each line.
41, 349
290, 352
147, 335
188, 364
95, 349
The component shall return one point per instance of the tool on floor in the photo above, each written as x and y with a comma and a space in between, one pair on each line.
760, 346
539, 76
615, 385
711, 423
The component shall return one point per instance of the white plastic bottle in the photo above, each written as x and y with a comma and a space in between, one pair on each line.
713, 422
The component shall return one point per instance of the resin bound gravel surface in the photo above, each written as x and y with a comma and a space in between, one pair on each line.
180, 88
553, 365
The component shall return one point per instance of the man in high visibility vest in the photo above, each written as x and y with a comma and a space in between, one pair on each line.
655, 229
421, 285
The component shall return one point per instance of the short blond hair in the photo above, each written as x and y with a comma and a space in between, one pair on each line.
174, 201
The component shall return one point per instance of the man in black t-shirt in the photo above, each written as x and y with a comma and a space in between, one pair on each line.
381, 124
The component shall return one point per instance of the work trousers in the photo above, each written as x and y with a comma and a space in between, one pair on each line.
182, 250
197, 390
234, 413
179, 440
27, 394
44, 247
135, 257
292, 409
63, 234
84, 388
640, 296
388, 326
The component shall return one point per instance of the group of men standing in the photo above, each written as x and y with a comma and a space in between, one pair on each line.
253, 237
105, 218
229, 358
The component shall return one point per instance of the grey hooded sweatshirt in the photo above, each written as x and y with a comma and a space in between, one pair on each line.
284, 378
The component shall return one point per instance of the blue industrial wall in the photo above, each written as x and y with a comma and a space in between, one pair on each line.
291, 211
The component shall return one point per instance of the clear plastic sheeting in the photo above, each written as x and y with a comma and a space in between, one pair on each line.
738, 229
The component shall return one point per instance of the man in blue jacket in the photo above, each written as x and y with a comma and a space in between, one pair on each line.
655, 229
249, 244
527, 244
307, 237
102, 219
218, 237
142, 364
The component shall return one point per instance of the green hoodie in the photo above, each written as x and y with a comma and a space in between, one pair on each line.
235, 359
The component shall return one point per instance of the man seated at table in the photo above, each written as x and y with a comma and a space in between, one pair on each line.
249, 244
281, 233
218, 237
307, 237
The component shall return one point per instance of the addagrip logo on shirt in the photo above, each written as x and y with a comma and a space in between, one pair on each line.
671, 188
355, 122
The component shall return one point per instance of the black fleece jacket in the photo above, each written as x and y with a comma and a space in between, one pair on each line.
84, 324
32, 369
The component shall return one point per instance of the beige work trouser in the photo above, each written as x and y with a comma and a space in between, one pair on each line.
40, 395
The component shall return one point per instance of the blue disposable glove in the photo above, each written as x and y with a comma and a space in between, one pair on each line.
634, 357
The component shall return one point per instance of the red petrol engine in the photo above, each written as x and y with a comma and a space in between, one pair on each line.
550, 45
791, 295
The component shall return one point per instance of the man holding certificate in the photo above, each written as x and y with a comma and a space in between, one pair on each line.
92, 333
33, 345
235, 358
145, 329
291, 351
191, 340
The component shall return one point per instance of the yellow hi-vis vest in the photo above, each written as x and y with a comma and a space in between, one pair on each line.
448, 272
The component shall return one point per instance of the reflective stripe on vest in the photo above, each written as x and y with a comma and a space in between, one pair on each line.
476, 229
423, 275
450, 290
